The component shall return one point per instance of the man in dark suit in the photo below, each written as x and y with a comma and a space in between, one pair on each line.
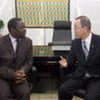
85, 50
15, 62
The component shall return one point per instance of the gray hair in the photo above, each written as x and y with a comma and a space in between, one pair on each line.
85, 21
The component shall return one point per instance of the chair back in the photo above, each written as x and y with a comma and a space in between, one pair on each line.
62, 33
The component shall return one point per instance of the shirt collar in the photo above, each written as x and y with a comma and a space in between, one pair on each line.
12, 38
88, 39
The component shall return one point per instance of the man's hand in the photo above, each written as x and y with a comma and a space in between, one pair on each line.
63, 62
19, 76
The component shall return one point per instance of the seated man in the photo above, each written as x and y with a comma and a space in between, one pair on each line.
15, 62
86, 50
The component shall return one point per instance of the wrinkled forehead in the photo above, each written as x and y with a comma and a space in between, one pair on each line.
77, 22
20, 24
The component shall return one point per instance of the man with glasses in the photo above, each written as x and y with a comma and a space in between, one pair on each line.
15, 62
85, 50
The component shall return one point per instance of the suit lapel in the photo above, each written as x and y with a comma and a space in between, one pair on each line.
21, 47
92, 47
9, 44
80, 52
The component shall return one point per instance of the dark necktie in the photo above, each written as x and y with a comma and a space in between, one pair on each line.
85, 50
17, 45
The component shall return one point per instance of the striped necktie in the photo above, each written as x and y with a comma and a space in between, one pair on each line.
85, 50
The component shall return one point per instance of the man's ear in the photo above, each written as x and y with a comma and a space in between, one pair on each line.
86, 28
13, 30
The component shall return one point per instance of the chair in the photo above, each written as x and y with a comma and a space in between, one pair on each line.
61, 33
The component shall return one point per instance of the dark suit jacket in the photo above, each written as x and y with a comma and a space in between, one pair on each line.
9, 63
92, 64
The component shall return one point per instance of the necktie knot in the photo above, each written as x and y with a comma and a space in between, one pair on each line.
17, 40
84, 44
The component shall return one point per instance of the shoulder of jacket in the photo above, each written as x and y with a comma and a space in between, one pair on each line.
76, 40
28, 39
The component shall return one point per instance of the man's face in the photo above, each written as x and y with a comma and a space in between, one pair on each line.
78, 29
20, 29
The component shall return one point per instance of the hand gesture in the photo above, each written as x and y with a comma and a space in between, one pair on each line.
63, 62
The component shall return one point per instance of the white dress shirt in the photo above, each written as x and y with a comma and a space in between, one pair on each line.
13, 40
88, 41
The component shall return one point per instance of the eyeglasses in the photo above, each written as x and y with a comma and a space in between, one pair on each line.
77, 27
